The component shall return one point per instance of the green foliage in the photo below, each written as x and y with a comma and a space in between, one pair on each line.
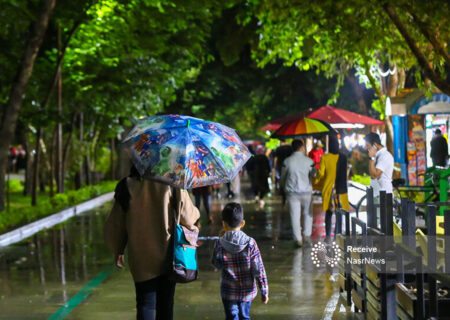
22, 215
103, 160
14, 186
334, 36
378, 106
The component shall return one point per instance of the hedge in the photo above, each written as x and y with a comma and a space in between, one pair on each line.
20, 216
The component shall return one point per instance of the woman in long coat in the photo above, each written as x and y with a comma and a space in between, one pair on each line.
326, 177
141, 220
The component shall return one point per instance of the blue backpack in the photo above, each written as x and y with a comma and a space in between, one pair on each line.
184, 258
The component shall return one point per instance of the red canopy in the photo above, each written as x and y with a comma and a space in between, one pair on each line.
328, 114
334, 115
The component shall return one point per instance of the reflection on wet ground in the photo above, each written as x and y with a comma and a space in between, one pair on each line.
39, 275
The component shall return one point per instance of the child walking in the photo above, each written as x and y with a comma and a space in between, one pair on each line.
238, 256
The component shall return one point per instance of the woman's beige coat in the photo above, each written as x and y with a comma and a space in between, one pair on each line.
147, 227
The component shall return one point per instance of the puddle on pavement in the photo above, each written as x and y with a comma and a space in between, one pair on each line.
40, 274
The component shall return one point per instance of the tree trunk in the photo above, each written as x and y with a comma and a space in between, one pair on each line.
359, 96
389, 128
59, 135
80, 176
431, 37
391, 91
401, 79
37, 156
434, 76
111, 163
18, 88
29, 165
68, 142
52, 158
87, 170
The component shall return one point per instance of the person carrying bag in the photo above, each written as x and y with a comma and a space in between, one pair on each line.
142, 220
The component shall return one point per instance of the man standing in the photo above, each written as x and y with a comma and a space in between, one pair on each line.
439, 149
296, 182
381, 165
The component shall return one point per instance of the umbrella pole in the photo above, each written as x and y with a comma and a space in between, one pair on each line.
327, 141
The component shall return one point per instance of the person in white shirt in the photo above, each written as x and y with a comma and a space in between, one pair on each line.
296, 182
381, 165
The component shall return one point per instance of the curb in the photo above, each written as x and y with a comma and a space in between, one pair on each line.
30, 229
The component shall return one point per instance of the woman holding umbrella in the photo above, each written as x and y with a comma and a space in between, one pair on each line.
140, 220
170, 154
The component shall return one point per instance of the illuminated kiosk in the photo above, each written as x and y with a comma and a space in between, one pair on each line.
414, 118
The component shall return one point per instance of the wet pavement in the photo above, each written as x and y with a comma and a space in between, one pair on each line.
51, 275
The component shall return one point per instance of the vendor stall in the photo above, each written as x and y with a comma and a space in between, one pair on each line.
415, 119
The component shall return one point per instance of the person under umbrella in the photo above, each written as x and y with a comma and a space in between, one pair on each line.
170, 153
140, 220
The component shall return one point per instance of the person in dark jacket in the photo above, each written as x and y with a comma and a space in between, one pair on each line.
205, 194
259, 170
439, 149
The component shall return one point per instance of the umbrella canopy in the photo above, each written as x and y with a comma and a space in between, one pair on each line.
303, 127
337, 118
340, 118
185, 152
277, 123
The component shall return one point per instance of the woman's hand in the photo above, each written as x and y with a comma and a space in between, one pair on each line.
120, 261
265, 298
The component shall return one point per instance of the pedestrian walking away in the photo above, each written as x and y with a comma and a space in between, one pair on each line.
142, 222
238, 257
296, 183
326, 177
204, 193
259, 170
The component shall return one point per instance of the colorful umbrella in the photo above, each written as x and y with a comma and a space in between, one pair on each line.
303, 127
185, 152
337, 118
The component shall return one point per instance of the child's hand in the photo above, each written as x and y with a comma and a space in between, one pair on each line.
265, 298
120, 261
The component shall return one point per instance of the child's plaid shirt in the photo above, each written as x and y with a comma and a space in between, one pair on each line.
240, 272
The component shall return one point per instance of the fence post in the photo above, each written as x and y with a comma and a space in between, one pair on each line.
371, 212
447, 240
432, 260
382, 211
389, 215
409, 223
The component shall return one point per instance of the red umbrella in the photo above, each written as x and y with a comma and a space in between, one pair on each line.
337, 118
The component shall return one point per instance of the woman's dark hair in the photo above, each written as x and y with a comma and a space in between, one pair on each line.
122, 194
134, 173
233, 214
333, 144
